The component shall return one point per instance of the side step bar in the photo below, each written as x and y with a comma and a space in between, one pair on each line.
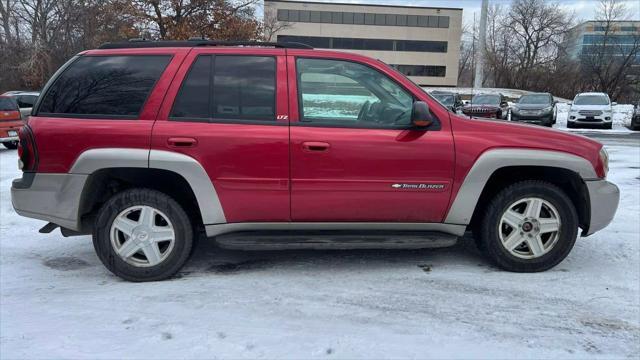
334, 240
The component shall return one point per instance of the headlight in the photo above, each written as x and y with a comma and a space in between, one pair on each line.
547, 109
604, 159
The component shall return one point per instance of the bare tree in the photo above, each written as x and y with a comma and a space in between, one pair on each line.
608, 62
271, 26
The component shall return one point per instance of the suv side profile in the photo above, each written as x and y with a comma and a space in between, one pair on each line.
150, 145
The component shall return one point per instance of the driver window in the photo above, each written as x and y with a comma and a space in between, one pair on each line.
343, 93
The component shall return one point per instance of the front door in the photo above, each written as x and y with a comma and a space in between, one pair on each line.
355, 156
227, 110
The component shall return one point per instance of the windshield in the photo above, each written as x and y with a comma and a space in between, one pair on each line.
8, 104
486, 100
591, 100
445, 99
534, 99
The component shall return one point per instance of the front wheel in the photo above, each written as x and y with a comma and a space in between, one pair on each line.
530, 226
142, 235
11, 145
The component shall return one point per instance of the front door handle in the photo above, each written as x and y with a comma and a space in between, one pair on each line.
315, 146
182, 142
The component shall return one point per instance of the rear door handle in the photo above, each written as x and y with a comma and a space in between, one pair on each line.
315, 146
182, 142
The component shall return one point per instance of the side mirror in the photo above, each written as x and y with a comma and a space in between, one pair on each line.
503, 104
570, 103
420, 115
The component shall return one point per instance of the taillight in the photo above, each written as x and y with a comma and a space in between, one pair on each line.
27, 151
10, 115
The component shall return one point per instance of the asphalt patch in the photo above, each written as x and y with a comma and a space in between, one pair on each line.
66, 263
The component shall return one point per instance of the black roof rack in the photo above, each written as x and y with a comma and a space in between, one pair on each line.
143, 43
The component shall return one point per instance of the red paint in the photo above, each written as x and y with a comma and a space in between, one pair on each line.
283, 171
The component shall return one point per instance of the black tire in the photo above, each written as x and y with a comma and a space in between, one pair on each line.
11, 145
181, 225
490, 242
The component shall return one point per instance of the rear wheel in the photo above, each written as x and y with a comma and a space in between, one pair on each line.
11, 145
142, 235
530, 226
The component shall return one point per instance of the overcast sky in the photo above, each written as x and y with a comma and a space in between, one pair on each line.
584, 9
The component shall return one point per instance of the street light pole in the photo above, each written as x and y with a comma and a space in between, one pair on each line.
482, 42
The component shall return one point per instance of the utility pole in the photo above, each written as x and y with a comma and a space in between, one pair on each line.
482, 45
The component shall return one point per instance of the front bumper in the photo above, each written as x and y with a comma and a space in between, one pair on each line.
534, 119
590, 120
50, 197
603, 199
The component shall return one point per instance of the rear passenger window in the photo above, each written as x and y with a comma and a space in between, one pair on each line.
240, 88
108, 86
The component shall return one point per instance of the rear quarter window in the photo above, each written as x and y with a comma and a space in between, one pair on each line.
104, 86
8, 104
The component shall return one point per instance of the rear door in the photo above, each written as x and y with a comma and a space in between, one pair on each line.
355, 156
227, 108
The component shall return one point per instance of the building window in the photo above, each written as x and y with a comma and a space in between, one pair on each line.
336, 17
283, 15
422, 70
369, 19
315, 16
294, 15
599, 28
628, 28
368, 44
304, 16
347, 18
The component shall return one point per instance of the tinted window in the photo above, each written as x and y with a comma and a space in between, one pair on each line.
358, 18
347, 18
244, 87
193, 99
325, 17
8, 104
104, 85
336, 17
443, 22
304, 16
315, 16
401, 20
294, 15
369, 19
342, 93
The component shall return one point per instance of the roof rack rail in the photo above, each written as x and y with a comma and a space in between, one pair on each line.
194, 42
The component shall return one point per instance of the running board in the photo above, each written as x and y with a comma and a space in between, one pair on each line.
334, 240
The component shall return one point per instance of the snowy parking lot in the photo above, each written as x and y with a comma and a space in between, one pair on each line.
58, 301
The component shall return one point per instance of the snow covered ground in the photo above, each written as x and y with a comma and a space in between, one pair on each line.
58, 301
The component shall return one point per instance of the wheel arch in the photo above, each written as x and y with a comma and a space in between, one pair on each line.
178, 175
497, 168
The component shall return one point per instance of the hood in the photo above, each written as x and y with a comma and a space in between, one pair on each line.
532, 106
487, 134
591, 107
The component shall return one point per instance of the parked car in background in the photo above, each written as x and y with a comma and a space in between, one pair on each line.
252, 146
25, 99
591, 109
449, 99
635, 120
493, 106
536, 108
10, 122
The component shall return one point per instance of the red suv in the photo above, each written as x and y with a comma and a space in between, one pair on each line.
150, 145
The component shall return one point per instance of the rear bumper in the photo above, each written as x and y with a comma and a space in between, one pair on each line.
50, 197
603, 198
9, 126
534, 119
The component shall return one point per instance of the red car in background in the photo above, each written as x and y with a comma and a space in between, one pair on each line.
10, 122
491, 106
